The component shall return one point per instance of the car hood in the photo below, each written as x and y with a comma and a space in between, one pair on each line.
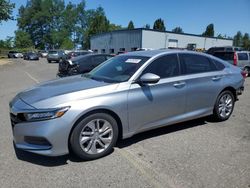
53, 92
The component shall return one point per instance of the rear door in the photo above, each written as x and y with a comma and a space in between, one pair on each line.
203, 83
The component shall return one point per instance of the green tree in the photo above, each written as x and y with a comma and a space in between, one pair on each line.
237, 40
67, 44
147, 26
41, 18
113, 27
177, 30
219, 36
6, 10
209, 31
22, 39
159, 25
7, 43
98, 23
131, 25
246, 41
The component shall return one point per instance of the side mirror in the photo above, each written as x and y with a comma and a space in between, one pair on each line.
148, 78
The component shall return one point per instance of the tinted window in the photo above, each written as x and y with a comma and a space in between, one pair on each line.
192, 63
166, 66
98, 60
225, 55
242, 56
218, 64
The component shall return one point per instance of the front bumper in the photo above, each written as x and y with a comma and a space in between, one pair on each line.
48, 137
43, 137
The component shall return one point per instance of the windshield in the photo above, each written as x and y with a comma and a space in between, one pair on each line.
117, 69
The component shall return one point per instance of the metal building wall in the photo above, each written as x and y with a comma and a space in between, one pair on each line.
156, 40
127, 39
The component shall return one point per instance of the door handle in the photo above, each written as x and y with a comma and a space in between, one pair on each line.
216, 78
179, 84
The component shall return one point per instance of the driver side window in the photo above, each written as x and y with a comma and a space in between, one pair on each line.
165, 66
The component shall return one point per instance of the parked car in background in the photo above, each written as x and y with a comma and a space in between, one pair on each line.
56, 56
126, 95
223, 48
15, 54
43, 53
31, 56
237, 58
81, 64
77, 53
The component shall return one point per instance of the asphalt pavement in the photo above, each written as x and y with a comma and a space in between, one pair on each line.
197, 153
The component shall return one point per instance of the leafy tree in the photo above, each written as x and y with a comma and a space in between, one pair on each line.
7, 43
209, 31
131, 25
67, 44
22, 39
113, 27
147, 26
98, 23
6, 10
159, 25
237, 40
246, 41
219, 36
177, 30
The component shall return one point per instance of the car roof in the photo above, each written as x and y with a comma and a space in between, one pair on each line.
152, 53
88, 55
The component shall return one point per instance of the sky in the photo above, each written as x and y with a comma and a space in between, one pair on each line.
193, 16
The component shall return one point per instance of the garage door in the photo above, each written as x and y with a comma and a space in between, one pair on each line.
172, 43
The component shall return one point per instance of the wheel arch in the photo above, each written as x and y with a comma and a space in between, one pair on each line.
233, 90
101, 110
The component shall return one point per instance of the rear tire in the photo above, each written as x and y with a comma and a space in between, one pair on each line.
224, 106
94, 136
49, 61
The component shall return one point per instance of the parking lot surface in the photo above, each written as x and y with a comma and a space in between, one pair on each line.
198, 153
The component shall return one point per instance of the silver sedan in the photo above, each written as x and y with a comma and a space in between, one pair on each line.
125, 95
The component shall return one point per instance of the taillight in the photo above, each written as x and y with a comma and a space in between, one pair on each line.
235, 59
244, 74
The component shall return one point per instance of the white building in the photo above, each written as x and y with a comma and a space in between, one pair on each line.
130, 40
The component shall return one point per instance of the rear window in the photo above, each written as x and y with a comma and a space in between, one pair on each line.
225, 55
218, 64
192, 64
242, 56
52, 52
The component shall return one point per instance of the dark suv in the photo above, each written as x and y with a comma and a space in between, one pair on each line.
223, 48
81, 64
237, 58
56, 55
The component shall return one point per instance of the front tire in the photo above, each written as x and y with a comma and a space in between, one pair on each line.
224, 106
94, 136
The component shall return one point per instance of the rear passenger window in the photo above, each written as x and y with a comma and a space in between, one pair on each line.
165, 66
192, 63
242, 56
218, 64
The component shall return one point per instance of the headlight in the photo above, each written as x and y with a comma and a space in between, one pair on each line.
45, 115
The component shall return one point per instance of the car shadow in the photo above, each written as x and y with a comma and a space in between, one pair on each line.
63, 160
161, 131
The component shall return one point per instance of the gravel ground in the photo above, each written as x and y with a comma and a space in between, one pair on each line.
193, 154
